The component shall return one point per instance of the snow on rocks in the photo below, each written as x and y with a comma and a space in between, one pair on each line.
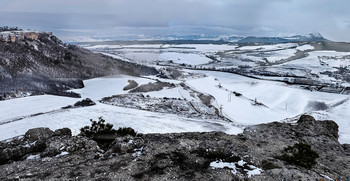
164, 105
240, 167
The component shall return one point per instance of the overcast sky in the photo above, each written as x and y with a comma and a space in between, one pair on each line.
106, 18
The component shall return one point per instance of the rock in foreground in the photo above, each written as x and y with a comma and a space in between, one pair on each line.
253, 155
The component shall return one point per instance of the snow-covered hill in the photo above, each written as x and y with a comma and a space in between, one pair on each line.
288, 79
36, 63
246, 85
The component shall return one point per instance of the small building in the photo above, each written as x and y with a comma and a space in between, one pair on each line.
5, 36
19, 35
31, 35
13, 38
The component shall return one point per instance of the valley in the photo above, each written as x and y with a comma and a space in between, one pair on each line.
175, 90
205, 87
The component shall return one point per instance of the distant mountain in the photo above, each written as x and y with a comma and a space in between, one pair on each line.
312, 37
217, 39
39, 63
230, 38
262, 40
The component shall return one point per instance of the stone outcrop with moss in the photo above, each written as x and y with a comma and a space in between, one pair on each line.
256, 154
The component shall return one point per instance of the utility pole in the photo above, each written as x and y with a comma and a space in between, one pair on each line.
220, 112
286, 106
229, 97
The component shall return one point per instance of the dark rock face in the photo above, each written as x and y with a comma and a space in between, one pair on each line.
38, 134
251, 155
127, 144
132, 84
84, 103
63, 132
313, 128
20, 150
152, 87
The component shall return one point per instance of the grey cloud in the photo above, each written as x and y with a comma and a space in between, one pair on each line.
234, 16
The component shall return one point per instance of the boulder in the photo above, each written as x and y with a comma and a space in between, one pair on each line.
127, 144
38, 134
309, 126
84, 103
306, 119
63, 132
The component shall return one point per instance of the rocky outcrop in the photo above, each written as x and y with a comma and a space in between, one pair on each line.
181, 107
132, 84
252, 155
149, 87
19, 35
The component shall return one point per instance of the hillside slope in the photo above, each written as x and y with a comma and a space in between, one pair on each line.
46, 65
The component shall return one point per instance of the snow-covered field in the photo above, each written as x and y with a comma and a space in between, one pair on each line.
281, 101
187, 58
208, 48
141, 121
305, 47
23, 107
269, 47
187, 47
193, 54
314, 60
95, 89
261, 101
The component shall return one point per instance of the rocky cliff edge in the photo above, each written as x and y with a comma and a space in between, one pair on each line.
305, 150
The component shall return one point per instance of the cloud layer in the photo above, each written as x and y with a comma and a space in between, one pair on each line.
253, 17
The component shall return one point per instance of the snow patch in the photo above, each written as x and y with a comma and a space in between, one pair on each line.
116, 56
326, 177
305, 47
187, 58
233, 166
138, 152
29, 144
221, 164
269, 47
62, 154
33, 157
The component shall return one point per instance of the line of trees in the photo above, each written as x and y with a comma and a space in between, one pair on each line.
6, 28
